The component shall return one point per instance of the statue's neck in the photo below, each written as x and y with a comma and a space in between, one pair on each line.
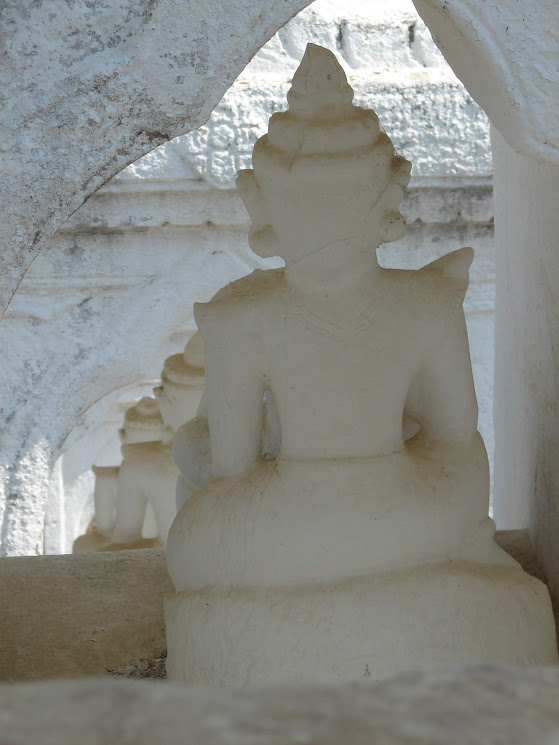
333, 269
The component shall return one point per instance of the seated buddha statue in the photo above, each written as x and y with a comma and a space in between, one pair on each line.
364, 547
148, 474
142, 423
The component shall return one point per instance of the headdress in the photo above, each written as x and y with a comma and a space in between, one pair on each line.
322, 138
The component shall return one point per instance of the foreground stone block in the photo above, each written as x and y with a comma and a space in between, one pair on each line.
481, 705
63, 616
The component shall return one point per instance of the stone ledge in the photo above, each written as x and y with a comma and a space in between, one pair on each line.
480, 705
80, 614
87, 614
106, 213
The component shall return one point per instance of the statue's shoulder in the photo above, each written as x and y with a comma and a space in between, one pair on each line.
450, 274
246, 291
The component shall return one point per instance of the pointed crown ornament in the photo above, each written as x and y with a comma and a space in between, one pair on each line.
321, 154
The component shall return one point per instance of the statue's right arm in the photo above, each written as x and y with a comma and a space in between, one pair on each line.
234, 393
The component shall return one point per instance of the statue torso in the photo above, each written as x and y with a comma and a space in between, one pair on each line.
339, 368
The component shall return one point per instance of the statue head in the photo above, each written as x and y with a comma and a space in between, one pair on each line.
182, 384
325, 172
142, 423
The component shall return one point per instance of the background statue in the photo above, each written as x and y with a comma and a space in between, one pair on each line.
148, 474
135, 502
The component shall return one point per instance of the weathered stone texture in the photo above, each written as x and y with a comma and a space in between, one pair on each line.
64, 616
505, 53
53, 606
89, 87
481, 705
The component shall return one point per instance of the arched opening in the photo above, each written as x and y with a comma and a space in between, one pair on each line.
35, 447
174, 218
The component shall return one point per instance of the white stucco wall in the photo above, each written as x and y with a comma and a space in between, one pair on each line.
112, 295
526, 404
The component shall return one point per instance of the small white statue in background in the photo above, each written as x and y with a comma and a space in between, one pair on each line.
99, 531
142, 423
148, 474
359, 550
135, 502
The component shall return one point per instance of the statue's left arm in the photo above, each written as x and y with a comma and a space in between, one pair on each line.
442, 396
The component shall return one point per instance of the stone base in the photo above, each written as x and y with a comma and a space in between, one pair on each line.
139, 543
81, 614
489, 705
481, 705
431, 617
94, 540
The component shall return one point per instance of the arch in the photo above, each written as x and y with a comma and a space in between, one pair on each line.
93, 441
94, 86
505, 53
107, 84
96, 341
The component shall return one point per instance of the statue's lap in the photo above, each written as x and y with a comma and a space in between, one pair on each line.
434, 616
321, 520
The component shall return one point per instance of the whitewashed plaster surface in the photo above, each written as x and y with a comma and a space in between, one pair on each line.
489, 705
111, 296
526, 407
505, 52
87, 88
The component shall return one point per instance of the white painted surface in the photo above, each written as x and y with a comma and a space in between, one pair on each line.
94, 440
527, 350
488, 705
111, 298
505, 53
354, 548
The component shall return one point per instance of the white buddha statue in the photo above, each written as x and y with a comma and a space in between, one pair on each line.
148, 474
142, 423
360, 550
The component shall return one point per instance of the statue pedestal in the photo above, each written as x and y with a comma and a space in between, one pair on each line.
430, 617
